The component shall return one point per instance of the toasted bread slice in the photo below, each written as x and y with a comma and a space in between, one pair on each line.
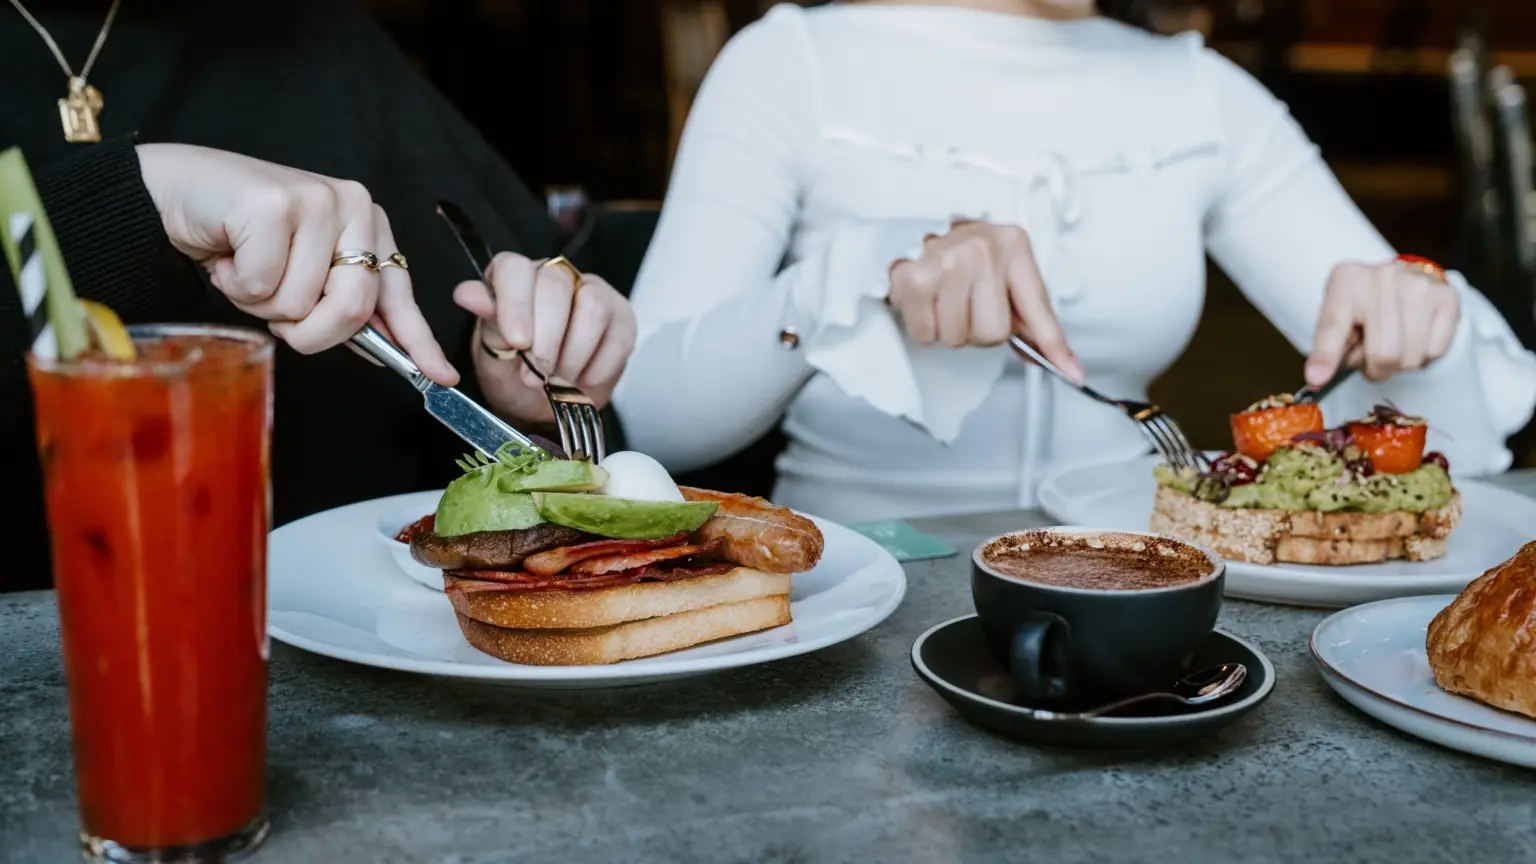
1304, 537
628, 641
605, 607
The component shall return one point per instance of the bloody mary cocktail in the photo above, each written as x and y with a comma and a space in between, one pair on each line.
156, 472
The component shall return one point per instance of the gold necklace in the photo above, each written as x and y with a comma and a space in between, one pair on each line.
80, 111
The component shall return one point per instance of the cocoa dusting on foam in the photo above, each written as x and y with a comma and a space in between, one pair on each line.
1105, 562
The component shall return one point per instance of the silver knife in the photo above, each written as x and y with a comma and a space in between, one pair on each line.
480, 428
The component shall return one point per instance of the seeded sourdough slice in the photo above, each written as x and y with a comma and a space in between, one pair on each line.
1304, 537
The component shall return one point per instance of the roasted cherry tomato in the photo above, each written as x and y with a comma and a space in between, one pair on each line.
1258, 433
425, 525
1394, 448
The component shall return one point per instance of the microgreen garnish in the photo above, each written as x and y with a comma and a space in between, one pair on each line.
1227, 471
520, 458
1332, 440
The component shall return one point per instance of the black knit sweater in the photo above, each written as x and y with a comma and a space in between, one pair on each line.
315, 84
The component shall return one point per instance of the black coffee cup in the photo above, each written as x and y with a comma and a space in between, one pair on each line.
1062, 643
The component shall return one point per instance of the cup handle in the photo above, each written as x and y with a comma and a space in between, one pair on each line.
1037, 656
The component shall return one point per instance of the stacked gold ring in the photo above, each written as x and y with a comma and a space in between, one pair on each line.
498, 353
368, 260
361, 257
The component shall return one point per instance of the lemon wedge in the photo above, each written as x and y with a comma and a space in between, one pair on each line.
107, 331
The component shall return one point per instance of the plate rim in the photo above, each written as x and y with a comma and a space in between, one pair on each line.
1316, 577
1332, 672
1258, 696
623, 670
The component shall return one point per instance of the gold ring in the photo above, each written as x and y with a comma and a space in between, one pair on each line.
368, 260
565, 264
498, 353
395, 260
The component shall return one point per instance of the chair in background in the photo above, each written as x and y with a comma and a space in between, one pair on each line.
608, 237
1478, 236
1516, 193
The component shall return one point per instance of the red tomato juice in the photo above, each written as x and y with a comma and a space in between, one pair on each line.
156, 474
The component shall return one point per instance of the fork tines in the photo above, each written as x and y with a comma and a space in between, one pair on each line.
579, 423
1170, 440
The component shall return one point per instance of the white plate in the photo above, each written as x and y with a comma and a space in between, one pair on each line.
1373, 656
332, 589
405, 510
1495, 524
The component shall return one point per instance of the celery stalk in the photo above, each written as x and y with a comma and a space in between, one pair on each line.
20, 209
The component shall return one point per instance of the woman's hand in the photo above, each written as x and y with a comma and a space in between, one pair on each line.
1390, 318
268, 234
974, 286
580, 331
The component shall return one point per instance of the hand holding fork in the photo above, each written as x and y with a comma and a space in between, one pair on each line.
551, 342
979, 284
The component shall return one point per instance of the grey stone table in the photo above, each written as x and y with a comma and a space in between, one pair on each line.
842, 755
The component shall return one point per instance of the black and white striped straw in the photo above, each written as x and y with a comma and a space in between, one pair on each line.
32, 281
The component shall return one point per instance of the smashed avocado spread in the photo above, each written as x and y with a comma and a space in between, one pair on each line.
1312, 478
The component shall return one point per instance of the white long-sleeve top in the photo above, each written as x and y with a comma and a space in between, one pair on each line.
825, 143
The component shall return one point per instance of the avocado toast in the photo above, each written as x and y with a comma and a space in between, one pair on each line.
557, 562
1294, 491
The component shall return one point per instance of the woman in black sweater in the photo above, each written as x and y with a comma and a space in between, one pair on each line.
317, 86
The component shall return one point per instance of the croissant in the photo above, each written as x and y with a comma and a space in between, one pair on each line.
1483, 645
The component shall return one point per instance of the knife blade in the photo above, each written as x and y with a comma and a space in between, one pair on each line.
464, 231
470, 421
467, 419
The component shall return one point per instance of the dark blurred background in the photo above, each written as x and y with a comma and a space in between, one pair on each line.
1416, 104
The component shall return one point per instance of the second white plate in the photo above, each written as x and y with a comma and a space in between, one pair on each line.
1374, 657
1495, 524
334, 590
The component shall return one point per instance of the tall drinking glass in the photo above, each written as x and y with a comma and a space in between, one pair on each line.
156, 473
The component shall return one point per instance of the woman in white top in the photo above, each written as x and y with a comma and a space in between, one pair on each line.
886, 180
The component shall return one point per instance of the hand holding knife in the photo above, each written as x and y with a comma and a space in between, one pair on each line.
470, 421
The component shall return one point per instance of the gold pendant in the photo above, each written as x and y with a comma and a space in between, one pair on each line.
79, 112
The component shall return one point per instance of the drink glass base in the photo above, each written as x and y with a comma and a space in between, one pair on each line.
233, 847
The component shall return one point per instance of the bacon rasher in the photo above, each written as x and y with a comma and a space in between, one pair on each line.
635, 560
558, 560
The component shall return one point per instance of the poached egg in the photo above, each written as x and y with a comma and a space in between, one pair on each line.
638, 477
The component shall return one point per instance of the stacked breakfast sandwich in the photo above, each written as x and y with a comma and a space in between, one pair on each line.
560, 562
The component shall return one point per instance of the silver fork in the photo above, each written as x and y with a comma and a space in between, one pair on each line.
1308, 393
1163, 431
576, 415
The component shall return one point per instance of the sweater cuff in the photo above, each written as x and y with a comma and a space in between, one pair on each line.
112, 238
851, 265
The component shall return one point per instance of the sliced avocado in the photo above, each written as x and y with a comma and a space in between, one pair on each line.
622, 518
475, 503
556, 475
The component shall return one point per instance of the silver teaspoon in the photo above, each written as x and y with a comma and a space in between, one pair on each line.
1211, 684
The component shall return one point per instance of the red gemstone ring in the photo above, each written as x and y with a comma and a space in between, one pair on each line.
1423, 265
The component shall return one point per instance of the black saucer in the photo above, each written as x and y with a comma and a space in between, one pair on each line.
954, 660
